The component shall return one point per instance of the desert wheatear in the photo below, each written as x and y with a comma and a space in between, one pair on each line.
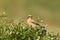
31, 21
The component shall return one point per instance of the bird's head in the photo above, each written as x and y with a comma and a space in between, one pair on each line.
29, 16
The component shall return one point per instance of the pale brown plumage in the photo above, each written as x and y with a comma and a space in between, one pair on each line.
31, 21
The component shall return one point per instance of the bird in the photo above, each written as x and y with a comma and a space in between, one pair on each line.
32, 22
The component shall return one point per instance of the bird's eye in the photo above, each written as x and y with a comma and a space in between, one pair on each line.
29, 16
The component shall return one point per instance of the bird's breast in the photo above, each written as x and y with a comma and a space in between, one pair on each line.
29, 22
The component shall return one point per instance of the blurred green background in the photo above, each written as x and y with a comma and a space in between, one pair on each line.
48, 10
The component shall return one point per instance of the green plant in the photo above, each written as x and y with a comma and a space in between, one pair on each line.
11, 31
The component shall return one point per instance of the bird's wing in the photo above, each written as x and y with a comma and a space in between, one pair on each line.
36, 23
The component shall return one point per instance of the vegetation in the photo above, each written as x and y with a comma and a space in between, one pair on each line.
21, 31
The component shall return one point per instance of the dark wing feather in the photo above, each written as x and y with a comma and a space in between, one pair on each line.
36, 23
